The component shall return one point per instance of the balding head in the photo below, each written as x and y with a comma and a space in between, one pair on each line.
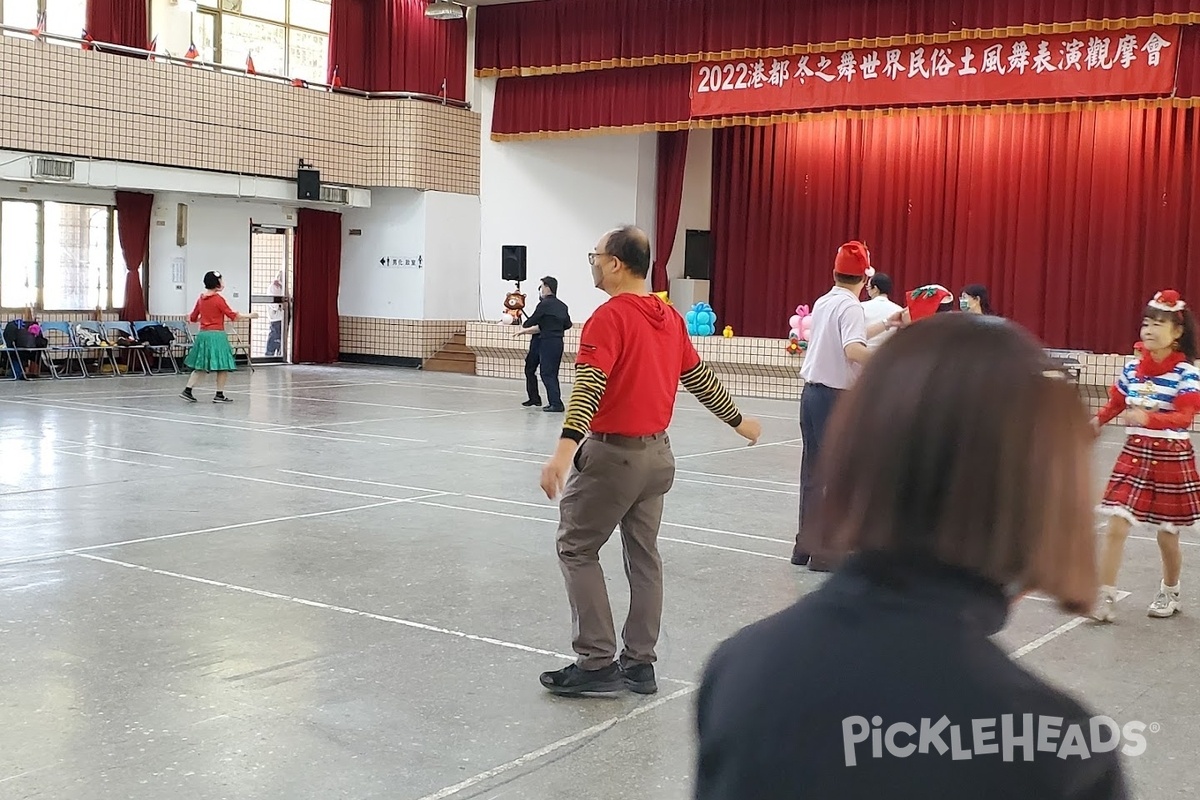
631, 246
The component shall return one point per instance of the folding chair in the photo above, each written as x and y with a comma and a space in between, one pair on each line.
13, 370
61, 341
134, 352
239, 345
183, 338
159, 351
105, 349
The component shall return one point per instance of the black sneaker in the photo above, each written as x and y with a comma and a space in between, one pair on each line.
186, 394
221, 398
554, 409
573, 681
799, 559
531, 403
639, 678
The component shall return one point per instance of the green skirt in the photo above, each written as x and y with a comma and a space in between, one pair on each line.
211, 353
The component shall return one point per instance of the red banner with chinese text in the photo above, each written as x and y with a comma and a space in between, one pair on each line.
1136, 63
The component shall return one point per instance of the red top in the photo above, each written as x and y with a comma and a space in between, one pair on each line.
642, 345
211, 311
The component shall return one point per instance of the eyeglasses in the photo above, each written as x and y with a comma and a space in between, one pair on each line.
593, 256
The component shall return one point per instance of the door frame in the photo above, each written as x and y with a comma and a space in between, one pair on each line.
285, 300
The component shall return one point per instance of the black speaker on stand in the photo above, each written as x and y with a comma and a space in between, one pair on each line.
512, 262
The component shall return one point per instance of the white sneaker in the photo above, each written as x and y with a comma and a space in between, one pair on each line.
1106, 604
1166, 603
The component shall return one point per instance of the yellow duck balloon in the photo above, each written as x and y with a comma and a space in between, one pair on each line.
728, 332
663, 296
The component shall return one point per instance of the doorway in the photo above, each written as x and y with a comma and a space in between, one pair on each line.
271, 294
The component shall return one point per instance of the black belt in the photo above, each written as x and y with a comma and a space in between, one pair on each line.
619, 439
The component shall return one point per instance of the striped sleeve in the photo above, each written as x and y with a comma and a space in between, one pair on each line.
585, 401
702, 382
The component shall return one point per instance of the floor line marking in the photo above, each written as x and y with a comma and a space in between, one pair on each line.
1066, 627
217, 529
742, 449
62, 452
138, 452
553, 747
555, 522
305, 486
362, 481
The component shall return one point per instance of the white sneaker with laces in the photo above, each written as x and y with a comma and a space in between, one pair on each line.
1166, 603
1106, 603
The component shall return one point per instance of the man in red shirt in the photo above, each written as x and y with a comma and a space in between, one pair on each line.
633, 353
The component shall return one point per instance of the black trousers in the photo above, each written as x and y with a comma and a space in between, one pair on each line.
551, 361
532, 360
816, 406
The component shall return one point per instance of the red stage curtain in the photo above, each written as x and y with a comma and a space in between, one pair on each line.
531, 38
318, 268
391, 46
615, 98
133, 232
1072, 220
122, 22
672, 158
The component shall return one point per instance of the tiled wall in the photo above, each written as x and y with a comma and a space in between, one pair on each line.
396, 338
97, 105
748, 367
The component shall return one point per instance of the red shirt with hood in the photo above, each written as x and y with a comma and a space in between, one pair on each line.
642, 345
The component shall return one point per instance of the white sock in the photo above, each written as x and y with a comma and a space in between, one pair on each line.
1170, 589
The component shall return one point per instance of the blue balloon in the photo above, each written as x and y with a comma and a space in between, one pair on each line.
690, 317
710, 318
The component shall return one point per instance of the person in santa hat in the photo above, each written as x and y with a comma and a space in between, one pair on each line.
1155, 481
925, 301
837, 347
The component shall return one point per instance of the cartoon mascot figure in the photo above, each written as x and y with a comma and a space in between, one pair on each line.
514, 304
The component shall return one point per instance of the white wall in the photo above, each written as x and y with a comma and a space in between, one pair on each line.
557, 197
451, 256
218, 238
695, 213
172, 24
392, 229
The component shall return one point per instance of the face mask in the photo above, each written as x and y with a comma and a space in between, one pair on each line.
964, 304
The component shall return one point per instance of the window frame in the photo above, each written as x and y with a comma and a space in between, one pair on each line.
116, 269
218, 14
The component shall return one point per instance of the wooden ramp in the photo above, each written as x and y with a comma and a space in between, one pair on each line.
454, 356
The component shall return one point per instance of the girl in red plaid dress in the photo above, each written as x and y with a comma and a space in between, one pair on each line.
1154, 481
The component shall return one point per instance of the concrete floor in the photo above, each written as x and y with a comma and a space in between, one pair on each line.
344, 585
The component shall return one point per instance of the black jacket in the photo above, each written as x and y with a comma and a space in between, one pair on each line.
551, 317
888, 642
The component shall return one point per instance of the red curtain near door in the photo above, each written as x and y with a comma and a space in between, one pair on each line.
318, 267
672, 158
122, 22
1072, 220
391, 46
133, 232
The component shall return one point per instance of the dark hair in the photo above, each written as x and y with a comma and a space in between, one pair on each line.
631, 246
212, 280
551, 284
1187, 340
847, 280
881, 283
962, 443
980, 293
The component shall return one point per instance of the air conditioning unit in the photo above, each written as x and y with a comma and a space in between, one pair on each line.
443, 9
52, 169
335, 194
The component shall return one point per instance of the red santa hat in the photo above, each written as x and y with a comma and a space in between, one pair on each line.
926, 300
1168, 300
853, 260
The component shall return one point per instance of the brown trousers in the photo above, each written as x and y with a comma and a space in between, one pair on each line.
616, 480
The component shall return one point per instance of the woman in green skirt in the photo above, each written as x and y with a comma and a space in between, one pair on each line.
211, 351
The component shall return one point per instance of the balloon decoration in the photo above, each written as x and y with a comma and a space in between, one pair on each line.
663, 296
701, 320
728, 332
801, 328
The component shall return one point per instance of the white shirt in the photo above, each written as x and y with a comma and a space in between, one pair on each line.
837, 320
879, 309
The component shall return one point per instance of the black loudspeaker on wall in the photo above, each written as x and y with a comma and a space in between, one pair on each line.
308, 184
512, 262
697, 255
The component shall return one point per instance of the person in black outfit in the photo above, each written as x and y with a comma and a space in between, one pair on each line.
961, 481
546, 326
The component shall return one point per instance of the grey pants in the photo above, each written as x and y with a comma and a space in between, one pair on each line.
617, 480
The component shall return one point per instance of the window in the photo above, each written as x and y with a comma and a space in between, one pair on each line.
284, 37
59, 256
64, 17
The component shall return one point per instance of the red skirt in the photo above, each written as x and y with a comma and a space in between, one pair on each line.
1155, 482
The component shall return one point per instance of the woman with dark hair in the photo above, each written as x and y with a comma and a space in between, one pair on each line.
1155, 481
975, 299
211, 351
960, 482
